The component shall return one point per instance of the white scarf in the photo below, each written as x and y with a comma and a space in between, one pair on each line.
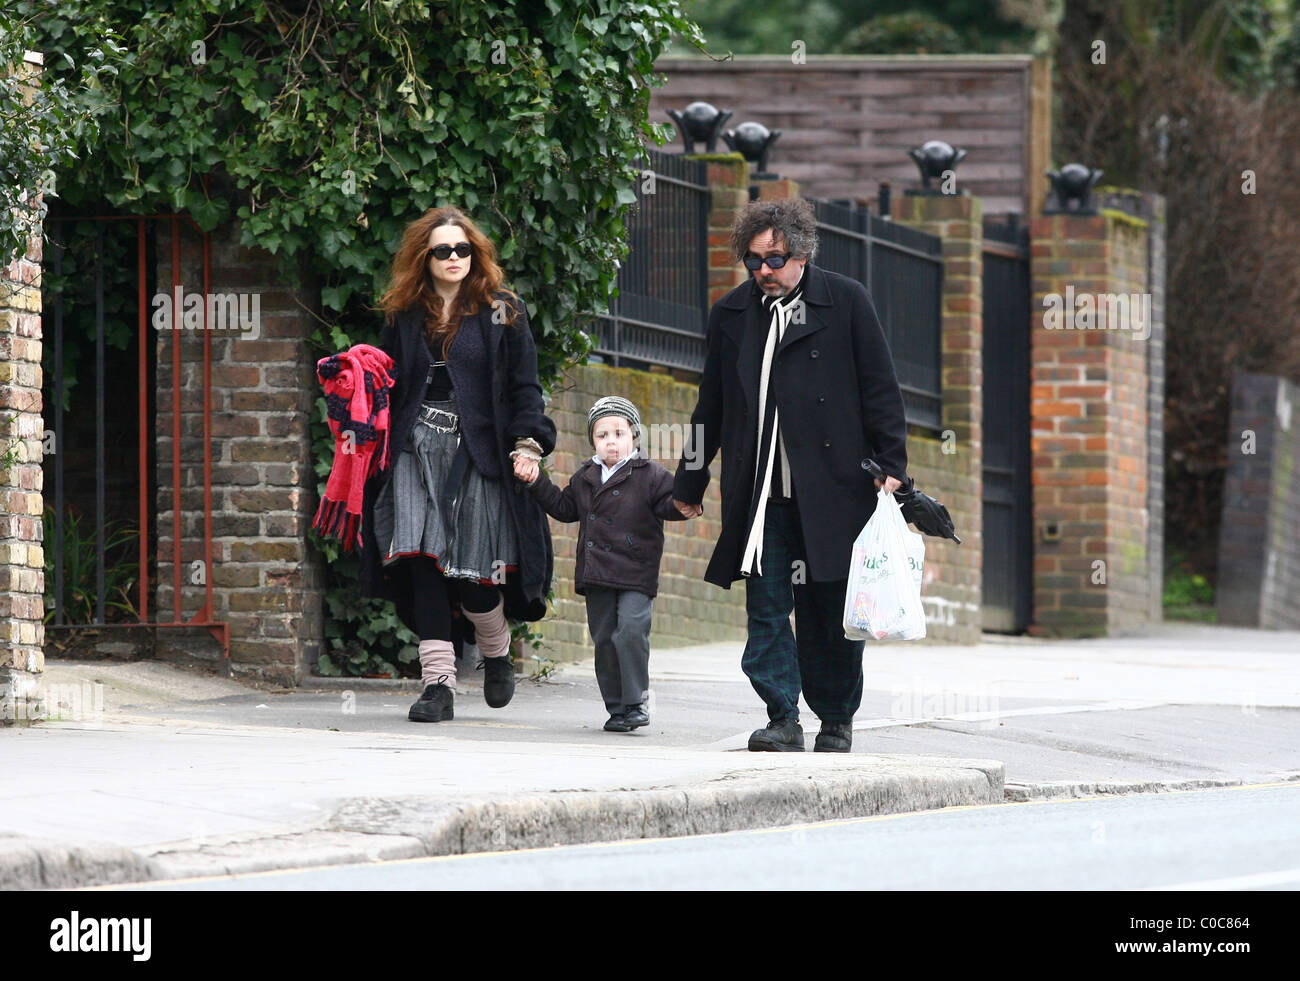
782, 309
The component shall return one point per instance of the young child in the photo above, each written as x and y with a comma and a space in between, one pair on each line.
621, 500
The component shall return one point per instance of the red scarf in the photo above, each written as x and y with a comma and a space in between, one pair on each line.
357, 386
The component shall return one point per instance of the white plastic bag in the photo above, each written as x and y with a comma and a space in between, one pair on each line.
883, 598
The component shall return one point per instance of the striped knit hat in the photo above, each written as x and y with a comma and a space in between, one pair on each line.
613, 405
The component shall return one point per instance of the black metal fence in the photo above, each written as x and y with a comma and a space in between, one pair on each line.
902, 269
662, 307
663, 288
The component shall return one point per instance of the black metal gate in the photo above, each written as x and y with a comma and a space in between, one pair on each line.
1008, 514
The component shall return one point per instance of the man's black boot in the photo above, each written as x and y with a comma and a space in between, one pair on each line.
636, 717
835, 737
435, 705
498, 681
783, 736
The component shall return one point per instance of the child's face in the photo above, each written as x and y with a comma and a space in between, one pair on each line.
612, 439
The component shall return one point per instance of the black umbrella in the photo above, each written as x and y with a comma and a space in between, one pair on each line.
927, 515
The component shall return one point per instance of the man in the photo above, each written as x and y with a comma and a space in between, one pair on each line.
798, 392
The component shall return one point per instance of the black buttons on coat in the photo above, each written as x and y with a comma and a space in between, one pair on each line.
821, 398
813, 354
591, 544
615, 493
827, 444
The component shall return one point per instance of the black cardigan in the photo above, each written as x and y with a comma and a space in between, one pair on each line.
498, 405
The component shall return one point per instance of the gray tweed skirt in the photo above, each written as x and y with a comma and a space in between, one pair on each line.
479, 540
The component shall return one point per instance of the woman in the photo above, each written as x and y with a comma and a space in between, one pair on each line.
444, 524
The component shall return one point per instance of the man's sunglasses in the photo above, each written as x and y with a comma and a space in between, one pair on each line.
443, 252
755, 262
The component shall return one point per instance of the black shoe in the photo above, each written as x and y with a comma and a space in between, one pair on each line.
835, 737
435, 705
783, 736
636, 717
617, 723
498, 680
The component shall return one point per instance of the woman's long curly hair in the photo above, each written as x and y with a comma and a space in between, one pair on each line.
412, 285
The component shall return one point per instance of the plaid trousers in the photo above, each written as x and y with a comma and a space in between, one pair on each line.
816, 655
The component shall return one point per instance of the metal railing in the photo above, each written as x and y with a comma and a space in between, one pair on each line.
94, 319
662, 305
902, 269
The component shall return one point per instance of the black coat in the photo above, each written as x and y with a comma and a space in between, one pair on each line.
839, 404
621, 535
516, 409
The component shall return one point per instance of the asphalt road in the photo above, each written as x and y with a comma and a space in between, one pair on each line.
1232, 839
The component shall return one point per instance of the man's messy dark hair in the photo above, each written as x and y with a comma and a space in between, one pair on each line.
791, 219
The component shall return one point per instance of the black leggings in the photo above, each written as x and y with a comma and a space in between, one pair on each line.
430, 603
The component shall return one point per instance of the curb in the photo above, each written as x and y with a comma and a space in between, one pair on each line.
1022, 792
44, 863
385, 829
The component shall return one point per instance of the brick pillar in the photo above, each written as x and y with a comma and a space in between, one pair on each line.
728, 180
950, 468
22, 557
1156, 265
1089, 406
267, 580
1259, 555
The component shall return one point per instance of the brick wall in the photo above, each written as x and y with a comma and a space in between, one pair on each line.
950, 468
22, 556
1151, 207
1259, 558
266, 579
1090, 400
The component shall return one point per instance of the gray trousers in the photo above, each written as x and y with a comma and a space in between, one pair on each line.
619, 620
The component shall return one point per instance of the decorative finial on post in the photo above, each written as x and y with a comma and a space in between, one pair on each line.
699, 121
1072, 190
934, 159
754, 142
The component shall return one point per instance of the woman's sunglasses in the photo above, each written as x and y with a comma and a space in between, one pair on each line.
443, 252
755, 262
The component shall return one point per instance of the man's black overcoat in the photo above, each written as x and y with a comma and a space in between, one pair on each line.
839, 404
517, 409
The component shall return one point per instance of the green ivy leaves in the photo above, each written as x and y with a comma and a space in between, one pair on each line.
326, 128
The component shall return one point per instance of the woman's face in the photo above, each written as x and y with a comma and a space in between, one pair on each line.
451, 270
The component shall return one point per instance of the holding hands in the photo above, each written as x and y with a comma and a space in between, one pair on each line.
688, 510
526, 454
526, 468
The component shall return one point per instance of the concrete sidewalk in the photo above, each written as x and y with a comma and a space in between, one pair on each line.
185, 775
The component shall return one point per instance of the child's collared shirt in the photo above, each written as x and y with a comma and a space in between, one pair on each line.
607, 472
